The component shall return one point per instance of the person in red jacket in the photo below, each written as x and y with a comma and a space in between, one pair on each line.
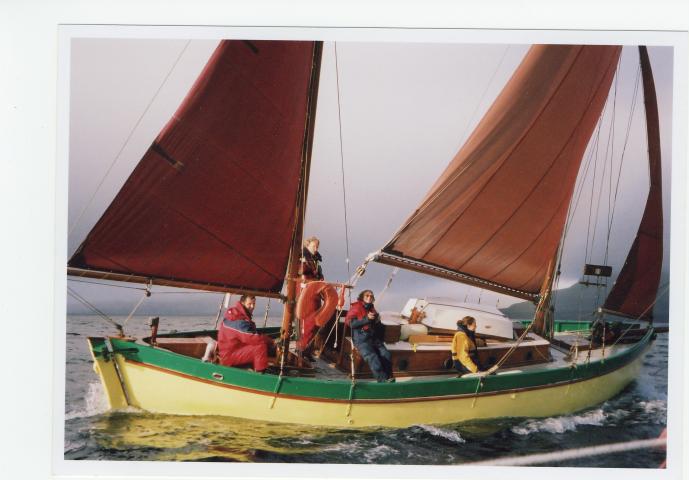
238, 341
368, 334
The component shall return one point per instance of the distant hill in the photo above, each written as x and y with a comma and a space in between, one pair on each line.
579, 302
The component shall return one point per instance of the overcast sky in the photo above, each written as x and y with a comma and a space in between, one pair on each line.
406, 109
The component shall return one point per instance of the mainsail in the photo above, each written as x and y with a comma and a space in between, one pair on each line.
212, 203
495, 217
635, 290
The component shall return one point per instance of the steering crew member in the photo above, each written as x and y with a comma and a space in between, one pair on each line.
239, 343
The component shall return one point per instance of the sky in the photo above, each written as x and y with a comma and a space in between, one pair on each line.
405, 110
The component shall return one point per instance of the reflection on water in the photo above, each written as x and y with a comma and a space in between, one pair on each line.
203, 437
91, 432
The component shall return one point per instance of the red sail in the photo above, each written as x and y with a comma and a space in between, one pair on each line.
496, 215
635, 290
212, 203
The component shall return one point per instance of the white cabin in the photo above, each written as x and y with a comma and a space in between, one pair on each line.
444, 312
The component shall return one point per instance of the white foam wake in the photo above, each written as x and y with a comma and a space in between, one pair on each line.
560, 424
94, 403
451, 435
378, 452
654, 407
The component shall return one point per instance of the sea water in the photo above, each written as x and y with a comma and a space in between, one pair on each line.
91, 432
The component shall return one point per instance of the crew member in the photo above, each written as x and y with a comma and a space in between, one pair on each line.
238, 341
311, 261
464, 351
310, 271
367, 335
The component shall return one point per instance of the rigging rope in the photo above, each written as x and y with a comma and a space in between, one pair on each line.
387, 284
662, 292
509, 352
624, 149
582, 181
146, 295
344, 192
126, 141
612, 198
221, 307
85, 302
195, 292
265, 317
483, 96
609, 155
105, 284
609, 152
593, 183
447, 183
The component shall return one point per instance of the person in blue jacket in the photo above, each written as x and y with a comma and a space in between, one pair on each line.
367, 335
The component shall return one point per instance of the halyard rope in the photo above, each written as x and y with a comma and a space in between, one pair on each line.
624, 149
131, 314
344, 193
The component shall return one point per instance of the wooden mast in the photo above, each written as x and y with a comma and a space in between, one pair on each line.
300, 208
541, 322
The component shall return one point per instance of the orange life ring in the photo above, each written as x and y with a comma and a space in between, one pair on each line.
306, 305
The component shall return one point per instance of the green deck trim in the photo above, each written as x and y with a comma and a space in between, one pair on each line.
565, 325
339, 390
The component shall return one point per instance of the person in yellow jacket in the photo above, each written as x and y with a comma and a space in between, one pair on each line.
464, 351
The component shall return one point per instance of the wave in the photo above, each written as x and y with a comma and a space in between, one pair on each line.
380, 451
94, 403
561, 424
655, 408
451, 435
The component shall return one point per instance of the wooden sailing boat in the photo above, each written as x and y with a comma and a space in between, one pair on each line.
204, 209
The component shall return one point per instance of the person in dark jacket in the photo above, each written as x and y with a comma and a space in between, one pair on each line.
310, 271
311, 261
367, 335
238, 341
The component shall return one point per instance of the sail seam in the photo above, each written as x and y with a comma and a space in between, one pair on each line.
502, 161
562, 200
220, 240
504, 157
